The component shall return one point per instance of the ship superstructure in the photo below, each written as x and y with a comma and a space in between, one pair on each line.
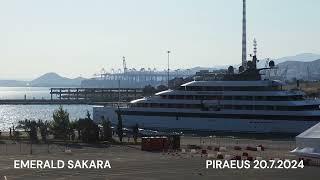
240, 102
237, 101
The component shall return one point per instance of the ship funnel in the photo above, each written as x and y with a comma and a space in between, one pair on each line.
244, 36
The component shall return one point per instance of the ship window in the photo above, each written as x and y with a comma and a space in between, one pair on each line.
259, 107
189, 97
199, 97
216, 97
282, 108
269, 107
155, 105
227, 107
179, 97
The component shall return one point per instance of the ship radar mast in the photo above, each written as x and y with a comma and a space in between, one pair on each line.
255, 47
254, 58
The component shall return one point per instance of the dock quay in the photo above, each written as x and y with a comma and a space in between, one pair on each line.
58, 102
96, 94
90, 96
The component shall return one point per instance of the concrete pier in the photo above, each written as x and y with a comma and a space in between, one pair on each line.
93, 96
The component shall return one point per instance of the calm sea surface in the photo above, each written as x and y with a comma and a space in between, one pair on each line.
11, 114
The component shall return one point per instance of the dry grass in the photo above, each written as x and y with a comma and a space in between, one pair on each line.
312, 89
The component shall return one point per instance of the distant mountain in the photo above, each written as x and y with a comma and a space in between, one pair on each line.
303, 57
53, 79
46, 80
301, 66
300, 70
304, 66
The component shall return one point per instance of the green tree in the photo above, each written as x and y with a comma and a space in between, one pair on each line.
88, 129
29, 126
74, 125
61, 124
135, 131
107, 130
44, 129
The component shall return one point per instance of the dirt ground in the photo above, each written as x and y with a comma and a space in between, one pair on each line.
129, 162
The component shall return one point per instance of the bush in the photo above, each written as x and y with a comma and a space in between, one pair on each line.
88, 129
135, 131
44, 129
107, 130
29, 126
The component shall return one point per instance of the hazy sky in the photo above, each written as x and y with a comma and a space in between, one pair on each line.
79, 37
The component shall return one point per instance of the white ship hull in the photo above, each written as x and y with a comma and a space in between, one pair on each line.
182, 123
212, 124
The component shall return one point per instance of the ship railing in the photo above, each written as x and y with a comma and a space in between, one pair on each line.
116, 104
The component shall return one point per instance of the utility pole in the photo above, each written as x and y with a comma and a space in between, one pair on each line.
119, 96
168, 67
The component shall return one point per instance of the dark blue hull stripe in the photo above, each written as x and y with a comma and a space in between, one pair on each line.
226, 116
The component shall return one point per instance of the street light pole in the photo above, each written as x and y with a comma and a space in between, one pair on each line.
168, 68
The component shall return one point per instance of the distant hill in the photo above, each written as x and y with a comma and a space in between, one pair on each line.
304, 66
300, 70
46, 80
304, 57
301, 66
53, 79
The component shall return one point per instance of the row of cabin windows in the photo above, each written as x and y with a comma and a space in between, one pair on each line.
253, 98
235, 107
230, 88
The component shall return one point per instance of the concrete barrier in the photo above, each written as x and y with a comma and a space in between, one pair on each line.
211, 156
222, 149
227, 157
68, 151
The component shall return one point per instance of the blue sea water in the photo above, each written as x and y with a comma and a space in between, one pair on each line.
11, 114
21, 92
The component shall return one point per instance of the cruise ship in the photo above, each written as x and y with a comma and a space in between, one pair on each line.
235, 102
238, 102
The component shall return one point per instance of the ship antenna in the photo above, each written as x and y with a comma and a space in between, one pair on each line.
244, 36
255, 60
168, 52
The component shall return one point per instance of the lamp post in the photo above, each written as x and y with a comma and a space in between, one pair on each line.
168, 67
